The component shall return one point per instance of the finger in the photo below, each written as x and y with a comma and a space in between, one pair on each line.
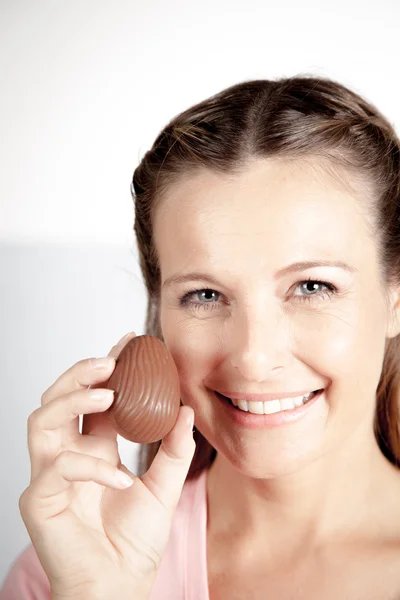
49, 494
77, 378
89, 371
168, 471
48, 431
99, 424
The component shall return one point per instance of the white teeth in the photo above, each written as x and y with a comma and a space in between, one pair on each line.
242, 404
288, 403
271, 406
256, 407
299, 401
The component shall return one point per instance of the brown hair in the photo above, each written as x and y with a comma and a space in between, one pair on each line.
294, 117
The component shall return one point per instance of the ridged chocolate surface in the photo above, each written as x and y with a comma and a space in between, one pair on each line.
146, 391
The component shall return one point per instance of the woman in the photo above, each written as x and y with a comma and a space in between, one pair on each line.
268, 228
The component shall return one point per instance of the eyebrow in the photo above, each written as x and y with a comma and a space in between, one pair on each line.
290, 269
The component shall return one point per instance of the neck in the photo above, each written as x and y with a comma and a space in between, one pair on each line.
340, 493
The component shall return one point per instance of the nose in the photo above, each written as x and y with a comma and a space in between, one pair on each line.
258, 343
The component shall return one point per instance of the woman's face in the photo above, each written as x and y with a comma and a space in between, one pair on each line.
265, 329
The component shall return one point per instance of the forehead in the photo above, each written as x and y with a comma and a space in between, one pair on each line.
272, 211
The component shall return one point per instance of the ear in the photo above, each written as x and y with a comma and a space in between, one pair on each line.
393, 324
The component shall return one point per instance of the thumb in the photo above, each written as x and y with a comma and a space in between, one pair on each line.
168, 471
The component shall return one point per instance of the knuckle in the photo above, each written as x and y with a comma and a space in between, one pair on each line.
24, 500
83, 362
173, 456
87, 363
63, 458
33, 420
21, 502
71, 376
45, 398
99, 463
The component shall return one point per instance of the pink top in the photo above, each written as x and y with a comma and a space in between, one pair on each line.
183, 570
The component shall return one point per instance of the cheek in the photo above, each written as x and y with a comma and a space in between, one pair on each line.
346, 343
191, 341
329, 345
195, 351
347, 348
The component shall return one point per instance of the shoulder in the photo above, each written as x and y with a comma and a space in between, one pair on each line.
26, 579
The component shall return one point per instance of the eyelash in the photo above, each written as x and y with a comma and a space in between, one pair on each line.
185, 300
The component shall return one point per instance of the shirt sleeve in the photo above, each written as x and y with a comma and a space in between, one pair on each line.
26, 579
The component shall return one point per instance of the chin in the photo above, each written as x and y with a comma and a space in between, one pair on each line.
259, 467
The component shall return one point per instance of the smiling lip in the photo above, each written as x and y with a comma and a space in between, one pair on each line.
249, 420
266, 397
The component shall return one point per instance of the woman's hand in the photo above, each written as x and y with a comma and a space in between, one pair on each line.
94, 537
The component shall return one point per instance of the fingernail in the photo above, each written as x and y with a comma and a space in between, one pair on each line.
126, 337
190, 419
101, 395
103, 363
123, 479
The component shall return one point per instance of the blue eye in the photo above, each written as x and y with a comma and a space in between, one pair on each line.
324, 290
186, 300
329, 288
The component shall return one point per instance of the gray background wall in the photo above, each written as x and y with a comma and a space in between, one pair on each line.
86, 85
59, 304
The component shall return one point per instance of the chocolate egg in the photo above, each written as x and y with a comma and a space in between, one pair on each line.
146, 391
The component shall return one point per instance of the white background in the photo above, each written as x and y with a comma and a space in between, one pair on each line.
85, 88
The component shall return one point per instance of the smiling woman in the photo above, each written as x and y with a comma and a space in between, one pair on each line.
268, 226
267, 220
